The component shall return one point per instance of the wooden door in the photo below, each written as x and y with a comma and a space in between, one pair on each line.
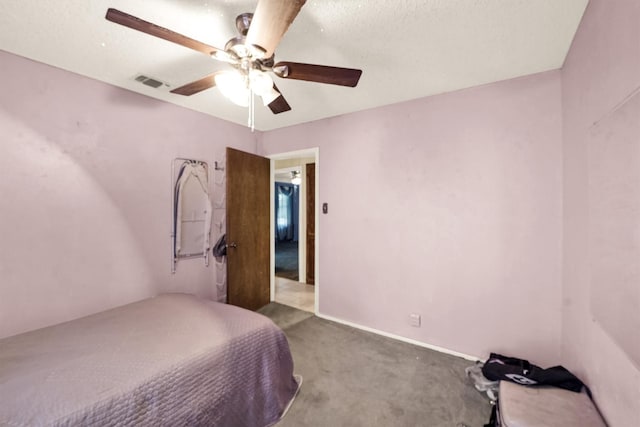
310, 173
248, 257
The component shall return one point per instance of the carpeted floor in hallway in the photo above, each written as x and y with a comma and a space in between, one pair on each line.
287, 259
355, 378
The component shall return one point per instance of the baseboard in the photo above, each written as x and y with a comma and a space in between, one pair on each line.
400, 338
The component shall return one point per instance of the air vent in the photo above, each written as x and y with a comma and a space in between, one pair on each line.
145, 80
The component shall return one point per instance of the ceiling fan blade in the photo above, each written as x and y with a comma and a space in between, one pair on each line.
279, 105
135, 23
318, 73
197, 86
270, 21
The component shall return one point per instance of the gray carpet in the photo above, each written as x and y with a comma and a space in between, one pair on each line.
286, 258
355, 378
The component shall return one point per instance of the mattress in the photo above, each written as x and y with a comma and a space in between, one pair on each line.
169, 360
545, 406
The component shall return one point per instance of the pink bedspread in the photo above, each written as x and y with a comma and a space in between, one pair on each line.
171, 360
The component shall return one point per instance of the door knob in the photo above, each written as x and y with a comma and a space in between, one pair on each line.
232, 245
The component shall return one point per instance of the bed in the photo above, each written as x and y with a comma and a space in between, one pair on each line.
172, 360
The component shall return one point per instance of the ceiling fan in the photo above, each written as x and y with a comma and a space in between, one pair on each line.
251, 54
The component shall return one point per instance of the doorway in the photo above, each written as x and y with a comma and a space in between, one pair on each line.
294, 221
288, 182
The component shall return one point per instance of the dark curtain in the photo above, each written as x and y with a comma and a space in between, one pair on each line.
286, 202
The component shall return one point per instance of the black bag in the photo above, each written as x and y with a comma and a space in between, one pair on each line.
504, 368
219, 250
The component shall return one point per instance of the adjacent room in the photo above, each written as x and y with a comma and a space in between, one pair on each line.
294, 237
279, 212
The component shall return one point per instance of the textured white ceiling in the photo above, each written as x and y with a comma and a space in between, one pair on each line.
407, 49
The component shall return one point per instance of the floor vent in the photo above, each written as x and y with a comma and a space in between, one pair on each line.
145, 80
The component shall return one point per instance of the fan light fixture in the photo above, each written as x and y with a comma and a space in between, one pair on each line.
233, 86
295, 178
237, 88
261, 84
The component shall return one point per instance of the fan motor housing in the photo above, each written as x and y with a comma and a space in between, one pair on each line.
238, 47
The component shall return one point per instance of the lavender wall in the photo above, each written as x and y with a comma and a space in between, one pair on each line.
85, 171
450, 207
600, 73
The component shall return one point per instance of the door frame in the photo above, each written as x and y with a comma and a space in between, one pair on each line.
309, 152
302, 268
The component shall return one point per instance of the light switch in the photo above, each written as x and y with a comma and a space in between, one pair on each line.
325, 208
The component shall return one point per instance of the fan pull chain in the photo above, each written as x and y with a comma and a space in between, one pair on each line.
251, 120
246, 68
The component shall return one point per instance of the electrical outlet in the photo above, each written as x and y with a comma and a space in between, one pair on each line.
414, 320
